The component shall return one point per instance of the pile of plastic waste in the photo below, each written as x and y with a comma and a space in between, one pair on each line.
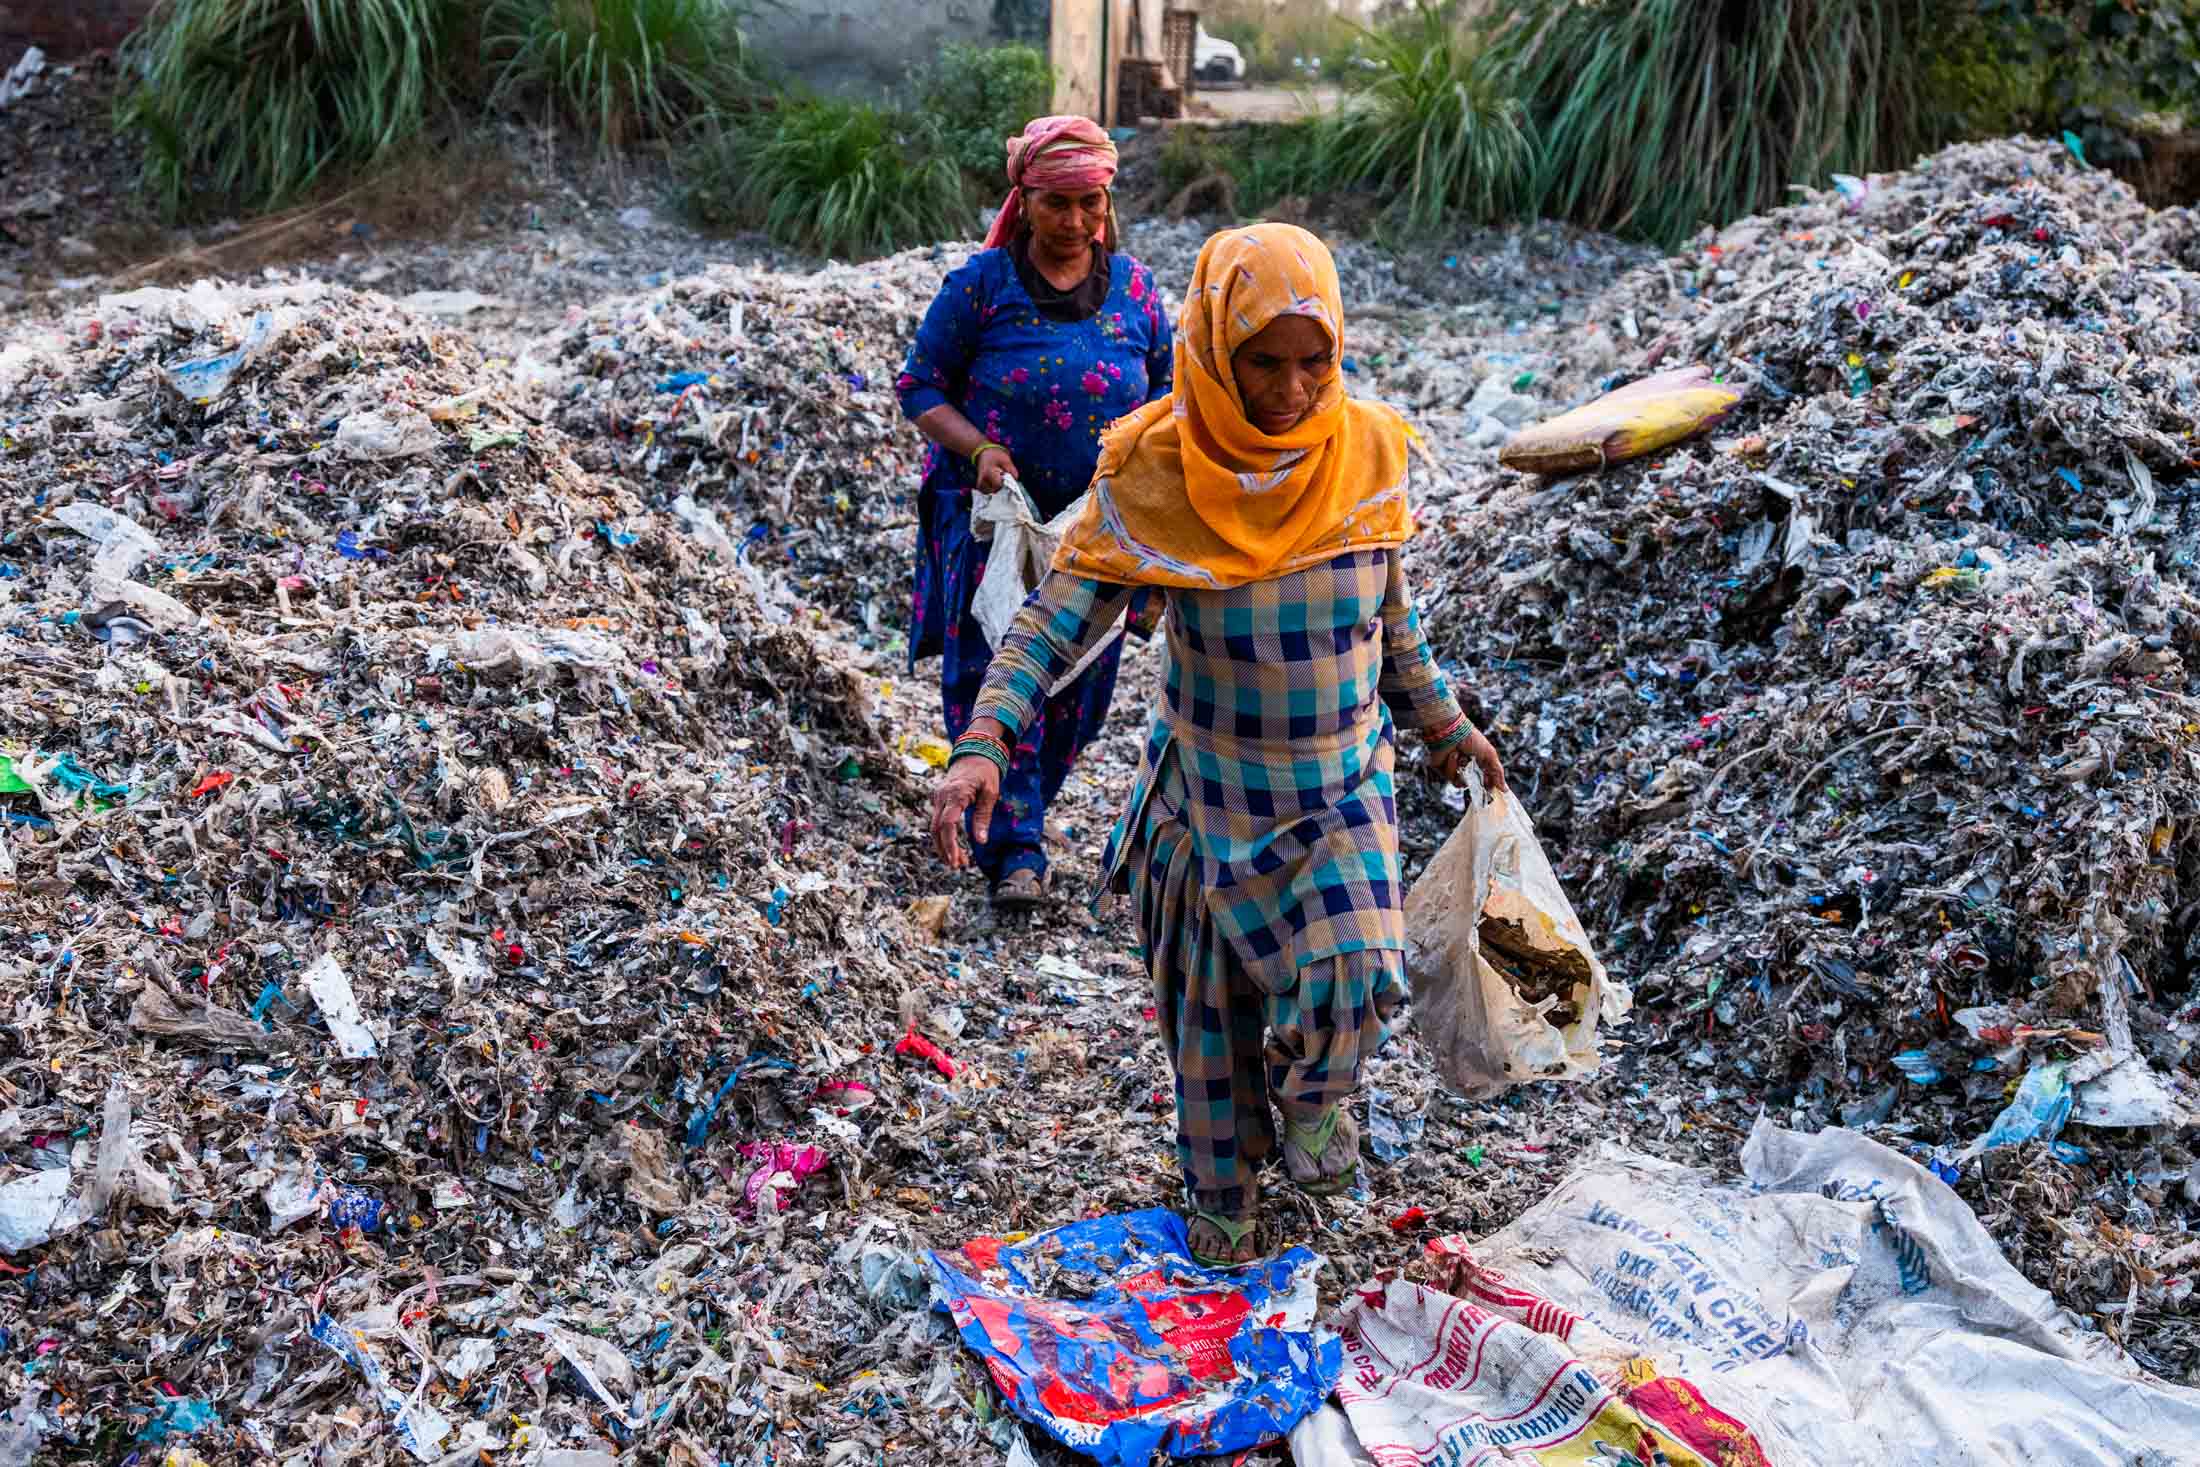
1865, 727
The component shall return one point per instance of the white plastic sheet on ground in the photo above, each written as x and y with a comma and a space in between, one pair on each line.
1841, 1307
1484, 1033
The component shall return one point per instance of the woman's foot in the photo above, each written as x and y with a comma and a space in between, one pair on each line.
1322, 1155
1019, 891
1221, 1241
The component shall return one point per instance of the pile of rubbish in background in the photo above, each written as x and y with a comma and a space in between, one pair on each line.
421, 850
482, 984
1864, 727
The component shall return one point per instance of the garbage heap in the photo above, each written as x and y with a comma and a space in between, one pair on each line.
411, 838
1867, 726
769, 397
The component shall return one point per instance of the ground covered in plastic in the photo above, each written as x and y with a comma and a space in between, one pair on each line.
477, 982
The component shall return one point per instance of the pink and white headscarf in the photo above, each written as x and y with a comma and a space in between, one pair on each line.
1070, 154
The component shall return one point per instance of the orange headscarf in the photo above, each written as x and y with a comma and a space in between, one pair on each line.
1188, 492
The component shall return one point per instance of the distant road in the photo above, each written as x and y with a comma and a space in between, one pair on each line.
1264, 103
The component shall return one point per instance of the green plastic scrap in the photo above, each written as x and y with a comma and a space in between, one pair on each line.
71, 776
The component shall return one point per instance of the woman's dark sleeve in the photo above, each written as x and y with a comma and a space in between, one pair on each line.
940, 358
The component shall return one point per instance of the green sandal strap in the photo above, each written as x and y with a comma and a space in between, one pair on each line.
1314, 1139
1234, 1230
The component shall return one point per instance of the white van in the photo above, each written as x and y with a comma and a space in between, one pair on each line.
1216, 60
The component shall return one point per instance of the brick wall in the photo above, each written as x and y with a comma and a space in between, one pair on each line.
66, 28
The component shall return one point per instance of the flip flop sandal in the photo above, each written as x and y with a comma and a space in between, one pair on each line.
1019, 891
1234, 1230
1307, 1152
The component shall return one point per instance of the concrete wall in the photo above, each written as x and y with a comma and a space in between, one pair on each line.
865, 46
1089, 35
65, 28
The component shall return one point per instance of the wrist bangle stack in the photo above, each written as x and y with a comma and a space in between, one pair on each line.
983, 746
979, 452
1450, 736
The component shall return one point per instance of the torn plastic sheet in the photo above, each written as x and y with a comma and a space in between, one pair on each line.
339, 1006
204, 379
1837, 1307
419, 1426
598, 1363
31, 1208
1107, 1336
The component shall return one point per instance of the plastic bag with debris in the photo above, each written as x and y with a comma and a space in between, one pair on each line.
1506, 987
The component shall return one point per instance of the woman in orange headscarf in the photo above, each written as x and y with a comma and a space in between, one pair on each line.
1260, 840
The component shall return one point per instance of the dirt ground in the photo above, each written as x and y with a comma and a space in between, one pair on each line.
1264, 102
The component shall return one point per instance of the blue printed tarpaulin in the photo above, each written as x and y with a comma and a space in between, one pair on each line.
1107, 1336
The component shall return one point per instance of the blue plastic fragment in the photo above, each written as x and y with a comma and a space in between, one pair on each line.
698, 1127
179, 1416
1917, 1067
353, 1207
682, 381
2038, 1113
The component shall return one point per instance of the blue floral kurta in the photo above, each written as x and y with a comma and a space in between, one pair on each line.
1044, 390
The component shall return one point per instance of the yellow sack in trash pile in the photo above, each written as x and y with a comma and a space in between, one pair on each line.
1639, 418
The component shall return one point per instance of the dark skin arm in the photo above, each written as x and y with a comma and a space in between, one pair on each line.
946, 426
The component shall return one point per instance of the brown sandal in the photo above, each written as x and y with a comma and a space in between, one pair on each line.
1019, 891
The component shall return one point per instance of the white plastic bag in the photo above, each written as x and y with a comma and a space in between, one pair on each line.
1505, 986
1022, 550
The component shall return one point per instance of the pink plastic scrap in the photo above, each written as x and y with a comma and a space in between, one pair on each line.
780, 1168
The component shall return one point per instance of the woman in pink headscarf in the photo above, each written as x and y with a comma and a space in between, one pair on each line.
1033, 346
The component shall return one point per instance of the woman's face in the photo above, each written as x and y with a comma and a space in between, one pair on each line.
1282, 370
1064, 225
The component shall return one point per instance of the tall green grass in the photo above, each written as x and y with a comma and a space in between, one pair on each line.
250, 102
1431, 123
623, 69
836, 175
1655, 117
979, 95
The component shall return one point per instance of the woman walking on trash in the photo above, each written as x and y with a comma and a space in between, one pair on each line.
1260, 838
1029, 350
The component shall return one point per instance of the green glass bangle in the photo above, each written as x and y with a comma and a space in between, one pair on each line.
985, 748
1451, 738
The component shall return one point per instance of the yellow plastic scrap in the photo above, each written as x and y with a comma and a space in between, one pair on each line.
1953, 578
1639, 418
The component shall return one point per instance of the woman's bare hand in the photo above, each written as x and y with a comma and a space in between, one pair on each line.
1451, 765
994, 465
972, 781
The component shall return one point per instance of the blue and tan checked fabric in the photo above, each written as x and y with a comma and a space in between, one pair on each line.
1260, 839
1234, 1045
1279, 712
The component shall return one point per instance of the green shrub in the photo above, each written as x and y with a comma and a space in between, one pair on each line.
249, 102
1428, 123
978, 96
1655, 117
2094, 67
834, 175
622, 68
